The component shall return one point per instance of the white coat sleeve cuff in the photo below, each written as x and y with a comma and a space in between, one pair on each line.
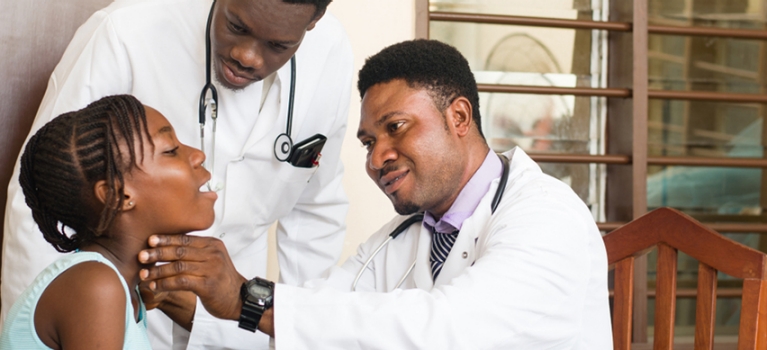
285, 334
209, 332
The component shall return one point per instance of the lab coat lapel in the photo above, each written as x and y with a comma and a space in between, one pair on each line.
422, 269
401, 252
466, 241
474, 233
273, 116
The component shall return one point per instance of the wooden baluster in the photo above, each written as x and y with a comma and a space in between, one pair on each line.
665, 298
705, 309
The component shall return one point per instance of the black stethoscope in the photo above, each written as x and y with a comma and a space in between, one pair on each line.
419, 217
283, 145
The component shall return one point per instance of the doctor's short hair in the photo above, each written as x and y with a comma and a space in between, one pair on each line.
320, 5
63, 161
424, 64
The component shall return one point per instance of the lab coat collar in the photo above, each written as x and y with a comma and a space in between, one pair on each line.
266, 121
466, 242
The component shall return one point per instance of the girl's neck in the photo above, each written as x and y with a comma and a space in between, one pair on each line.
122, 250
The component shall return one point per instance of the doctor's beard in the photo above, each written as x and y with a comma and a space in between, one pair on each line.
404, 207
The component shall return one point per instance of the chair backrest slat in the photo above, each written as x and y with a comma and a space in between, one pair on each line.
672, 232
753, 329
665, 297
622, 304
705, 308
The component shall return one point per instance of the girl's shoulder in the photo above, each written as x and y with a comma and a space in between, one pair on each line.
81, 303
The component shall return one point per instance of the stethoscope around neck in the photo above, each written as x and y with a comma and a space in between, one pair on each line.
283, 145
419, 218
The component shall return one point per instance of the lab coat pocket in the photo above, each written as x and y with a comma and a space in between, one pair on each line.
264, 192
292, 174
286, 190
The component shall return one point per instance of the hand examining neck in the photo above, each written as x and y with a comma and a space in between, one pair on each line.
195, 264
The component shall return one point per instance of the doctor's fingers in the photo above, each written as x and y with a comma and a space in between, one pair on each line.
181, 240
179, 269
197, 277
187, 265
220, 294
190, 248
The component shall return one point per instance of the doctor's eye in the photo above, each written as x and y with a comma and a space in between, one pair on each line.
395, 126
277, 46
236, 28
367, 144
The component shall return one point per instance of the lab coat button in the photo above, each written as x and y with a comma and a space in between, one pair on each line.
222, 235
465, 255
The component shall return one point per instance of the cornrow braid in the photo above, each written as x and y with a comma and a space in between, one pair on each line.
63, 161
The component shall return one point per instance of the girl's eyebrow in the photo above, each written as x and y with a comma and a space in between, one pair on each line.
164, 130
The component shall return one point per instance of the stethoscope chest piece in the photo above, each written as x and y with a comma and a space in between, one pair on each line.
282, 146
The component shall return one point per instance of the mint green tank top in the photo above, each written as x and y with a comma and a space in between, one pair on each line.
19, 328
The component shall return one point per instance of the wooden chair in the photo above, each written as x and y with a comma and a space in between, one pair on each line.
672, 231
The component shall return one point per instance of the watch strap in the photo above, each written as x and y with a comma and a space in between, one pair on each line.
252, 310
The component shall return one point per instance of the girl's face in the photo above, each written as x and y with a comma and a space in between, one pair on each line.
165, 187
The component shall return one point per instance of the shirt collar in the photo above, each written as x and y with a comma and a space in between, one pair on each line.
469, 197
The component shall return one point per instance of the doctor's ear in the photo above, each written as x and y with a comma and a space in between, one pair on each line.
459, 115
317, 17
101, 190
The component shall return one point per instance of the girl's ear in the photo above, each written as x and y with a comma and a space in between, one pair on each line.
101, 189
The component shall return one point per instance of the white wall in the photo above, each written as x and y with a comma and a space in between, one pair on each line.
371, 26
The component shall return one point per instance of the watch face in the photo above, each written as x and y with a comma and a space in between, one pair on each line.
259, 291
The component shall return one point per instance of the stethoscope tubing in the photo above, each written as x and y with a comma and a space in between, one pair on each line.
401, 228
208, 84
283, 143
419, 218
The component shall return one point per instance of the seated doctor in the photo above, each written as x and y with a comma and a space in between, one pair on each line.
487, 253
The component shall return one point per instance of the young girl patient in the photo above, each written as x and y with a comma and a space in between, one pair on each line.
99, 182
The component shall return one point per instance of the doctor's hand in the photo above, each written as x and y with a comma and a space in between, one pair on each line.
152, 299
196, 264
179, 306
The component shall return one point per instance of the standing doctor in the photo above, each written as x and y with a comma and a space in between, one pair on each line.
156, 50
506, 257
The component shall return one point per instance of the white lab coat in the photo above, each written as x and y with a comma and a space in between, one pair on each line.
531, 276
154, 49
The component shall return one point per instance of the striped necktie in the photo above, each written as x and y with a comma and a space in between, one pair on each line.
441, 243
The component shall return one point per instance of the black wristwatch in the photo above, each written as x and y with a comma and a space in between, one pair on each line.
257, 296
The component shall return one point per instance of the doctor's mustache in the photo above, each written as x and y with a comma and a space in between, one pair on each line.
239, 68
387, 169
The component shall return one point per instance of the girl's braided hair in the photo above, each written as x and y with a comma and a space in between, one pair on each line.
63, 161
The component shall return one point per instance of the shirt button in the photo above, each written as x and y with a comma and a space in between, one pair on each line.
465, 255
222, 235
